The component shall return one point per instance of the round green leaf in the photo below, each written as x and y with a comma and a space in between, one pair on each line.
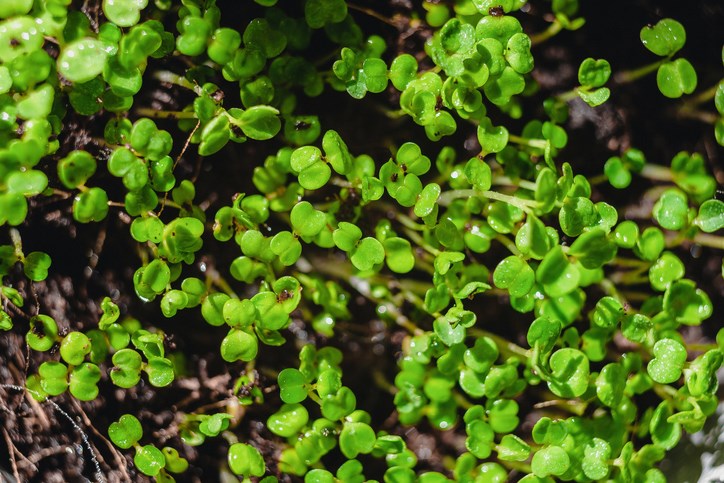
292, 386
155, 276
676, 78
403, 70
610, 384
18, 36
666, 269
160, 371
356, 438
478, 174
319, 13
557, 274
346, 236
576, 214
594, 73
149, 460
664, 434
593, 249
82, 60
595, 459
427, 200
514, 273
687, 303
74, 348
27, 183
671, 210
368, 253
398, 255
91, 205
550, 460
124, 13
36, 265
245, 460
76, 168
617, 173
492, 139
650, 244
511, 448
288, 420
174, 462
337, 406
239, 345
84, 381
43, 333
260, 122
126, 431
595, 97
668, 361
448, 333
127, 368
517, 53
626, 234
307, 221
607, 313
53, 377
711, 216
569, 373
665, 38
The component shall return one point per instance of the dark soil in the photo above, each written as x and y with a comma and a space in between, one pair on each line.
64, 443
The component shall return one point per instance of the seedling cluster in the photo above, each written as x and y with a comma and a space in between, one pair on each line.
427, 237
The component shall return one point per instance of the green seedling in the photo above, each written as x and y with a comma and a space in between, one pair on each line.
673, 77
401, 242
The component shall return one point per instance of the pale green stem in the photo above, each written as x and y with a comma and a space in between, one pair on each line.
148, 112
596, 180
313, 396
461, 400
447, 197
552, 30
610, 289
17, 243
523, 183
508, 244
230, 437
525, 205
520, 466
707, 240
627, 76
702, 97
371, 13
664, 391
215, 278
533, 143
630, 262
568, 95
415, 286
636, 296
656, 172
383, 383
574, 406
701, 347
166, 202
172, 78
415, 237
407, 222
702, 116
